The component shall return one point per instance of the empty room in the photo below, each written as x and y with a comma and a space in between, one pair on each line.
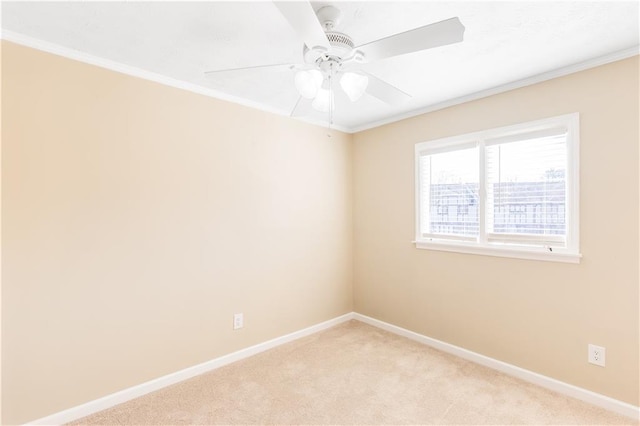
293, 212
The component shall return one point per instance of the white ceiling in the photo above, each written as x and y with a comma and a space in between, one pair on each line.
504, 42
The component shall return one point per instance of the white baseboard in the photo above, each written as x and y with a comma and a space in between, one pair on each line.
593, 398
125, 395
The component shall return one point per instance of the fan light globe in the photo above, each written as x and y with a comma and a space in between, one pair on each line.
354, 85
322, 101
308, 83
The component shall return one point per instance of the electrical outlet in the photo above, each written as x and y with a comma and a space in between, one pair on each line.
596, 355
238, 321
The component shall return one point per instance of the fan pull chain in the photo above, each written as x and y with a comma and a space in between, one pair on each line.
331, 106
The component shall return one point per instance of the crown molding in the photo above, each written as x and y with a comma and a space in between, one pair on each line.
77, 55
119, 67
538, 78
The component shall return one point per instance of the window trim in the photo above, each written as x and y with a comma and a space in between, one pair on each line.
568, 254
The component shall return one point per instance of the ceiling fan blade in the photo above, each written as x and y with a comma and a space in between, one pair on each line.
304, 21
385, 91
302, 108
439, 34
211, 73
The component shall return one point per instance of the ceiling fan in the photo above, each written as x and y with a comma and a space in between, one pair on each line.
330, 56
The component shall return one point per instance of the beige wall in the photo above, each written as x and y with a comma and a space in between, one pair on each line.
130, 234
138, 218
536, 315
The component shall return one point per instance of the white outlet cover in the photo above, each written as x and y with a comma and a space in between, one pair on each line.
597, 355
238, 321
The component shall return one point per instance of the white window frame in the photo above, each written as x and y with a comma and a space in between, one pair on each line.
569, 254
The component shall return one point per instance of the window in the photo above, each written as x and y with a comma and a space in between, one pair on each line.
511, 191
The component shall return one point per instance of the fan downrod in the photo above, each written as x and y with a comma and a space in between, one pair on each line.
329, 17
342, 46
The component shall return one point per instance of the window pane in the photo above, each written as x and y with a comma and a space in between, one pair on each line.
526, 188
450, 193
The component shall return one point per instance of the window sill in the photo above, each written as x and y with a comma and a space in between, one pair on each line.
513, 252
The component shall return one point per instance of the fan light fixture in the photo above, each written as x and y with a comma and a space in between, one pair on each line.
310, 86
354, 85
308, 83
330, 55
323, 101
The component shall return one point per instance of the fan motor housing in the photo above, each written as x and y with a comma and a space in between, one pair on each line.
340, 43
341, 47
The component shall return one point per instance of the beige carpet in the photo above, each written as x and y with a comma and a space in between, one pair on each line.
354, 374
